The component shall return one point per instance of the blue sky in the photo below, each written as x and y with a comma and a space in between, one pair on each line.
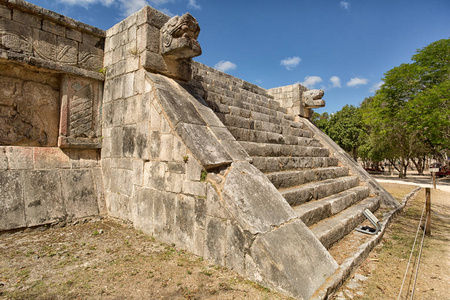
343, 47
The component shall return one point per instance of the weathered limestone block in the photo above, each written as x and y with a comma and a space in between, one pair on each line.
257, 207
19, 158
80, 125
185, 221
28, 113
12, 207
42, 206
79, 192
3, 158
203, 145
51, 158
292, 259
215, 238
178, 111
142, 209
164, 215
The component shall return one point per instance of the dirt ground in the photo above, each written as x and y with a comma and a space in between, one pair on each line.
109, 260
381, 275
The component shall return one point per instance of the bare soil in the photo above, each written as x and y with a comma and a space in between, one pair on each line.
109, 260
382, 273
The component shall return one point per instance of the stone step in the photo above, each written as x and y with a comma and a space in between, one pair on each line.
315, 211
223, 103
331, 230
271, 116
265, 149
258, 103
318, 190
258, 136
276, 164
266, 124
287, 179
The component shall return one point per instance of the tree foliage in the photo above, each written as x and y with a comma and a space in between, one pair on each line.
409, 115
407, 120
345, 127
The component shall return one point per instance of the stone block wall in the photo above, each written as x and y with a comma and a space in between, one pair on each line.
50, 98
151, 178
290, 97
47, 185
219, 88
39, 37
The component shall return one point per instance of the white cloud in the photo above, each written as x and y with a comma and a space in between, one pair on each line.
357, 81
310, 81
225, 65
345, 5
166, 11
193, 4
131, 6
335, 81
127, 7
376, 86
290, 62
87, 2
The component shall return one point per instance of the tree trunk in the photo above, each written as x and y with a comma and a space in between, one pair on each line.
355, 154
419, 164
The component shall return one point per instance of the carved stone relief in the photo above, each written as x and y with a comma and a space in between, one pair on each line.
17, 38
313, 98
80, 113
179, 37
33, 42
28, 113
58, 49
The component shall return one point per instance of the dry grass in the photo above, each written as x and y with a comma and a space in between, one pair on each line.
386, 266
108, 260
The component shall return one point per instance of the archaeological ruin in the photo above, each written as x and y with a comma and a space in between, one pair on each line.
125, 124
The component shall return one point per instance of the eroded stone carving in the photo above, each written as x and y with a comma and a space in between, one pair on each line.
80, 109
28, 113
56, 49
179, 37
313, 98
15, 42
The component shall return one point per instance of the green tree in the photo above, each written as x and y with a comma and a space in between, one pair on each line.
321, 120
345, 128
409, 116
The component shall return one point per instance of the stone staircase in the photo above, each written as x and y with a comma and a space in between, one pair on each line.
323, 193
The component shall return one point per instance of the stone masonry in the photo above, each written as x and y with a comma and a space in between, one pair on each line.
125, 124
50, 109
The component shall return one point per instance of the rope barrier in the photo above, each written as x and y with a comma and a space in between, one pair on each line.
418, 261
410, 256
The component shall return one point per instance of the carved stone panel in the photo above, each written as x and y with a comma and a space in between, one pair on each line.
80, 113
15, 37
29, 113
50, 46
55, 48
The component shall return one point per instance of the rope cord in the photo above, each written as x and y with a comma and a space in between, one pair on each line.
418, 261
410, 256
